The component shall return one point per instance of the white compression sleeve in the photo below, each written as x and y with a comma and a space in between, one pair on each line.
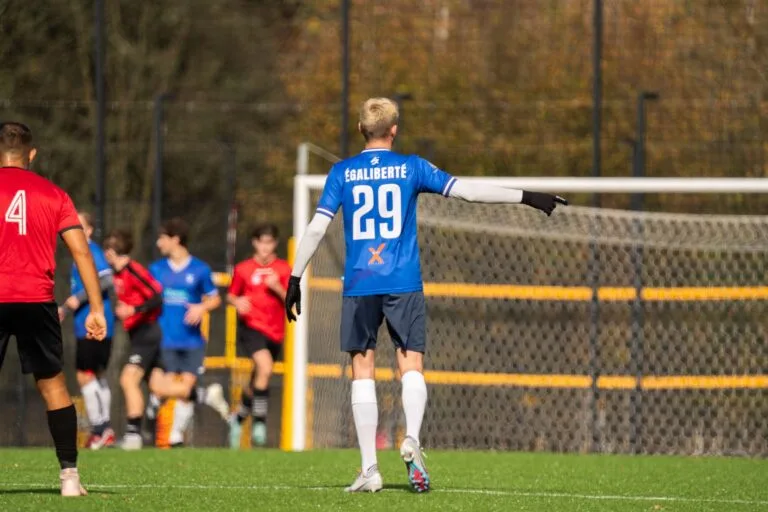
480, 193
309, 243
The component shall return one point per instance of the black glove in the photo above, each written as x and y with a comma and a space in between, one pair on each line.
293, 298
543, 202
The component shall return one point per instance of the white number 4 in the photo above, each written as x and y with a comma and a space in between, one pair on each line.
17, 211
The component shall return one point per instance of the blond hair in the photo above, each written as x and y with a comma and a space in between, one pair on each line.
377, 117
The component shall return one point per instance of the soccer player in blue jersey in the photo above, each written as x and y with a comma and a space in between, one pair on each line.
377, 191
92, 356
188, 294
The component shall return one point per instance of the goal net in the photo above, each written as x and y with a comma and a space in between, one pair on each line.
592, 330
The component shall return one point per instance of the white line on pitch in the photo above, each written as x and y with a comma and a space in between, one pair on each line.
489, 492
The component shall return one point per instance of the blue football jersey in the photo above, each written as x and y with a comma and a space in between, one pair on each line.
76, 284
182, 287
377, 191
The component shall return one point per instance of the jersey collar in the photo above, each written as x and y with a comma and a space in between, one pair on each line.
179, 268
375, 149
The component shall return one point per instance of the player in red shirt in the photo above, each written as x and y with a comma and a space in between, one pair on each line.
139, 304
35, 212
258, 291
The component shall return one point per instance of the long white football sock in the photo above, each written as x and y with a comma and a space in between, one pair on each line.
366, 413
106, 400
182, 417
414, 402
93, 406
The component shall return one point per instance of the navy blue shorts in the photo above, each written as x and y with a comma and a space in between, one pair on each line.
405, 314
187, 360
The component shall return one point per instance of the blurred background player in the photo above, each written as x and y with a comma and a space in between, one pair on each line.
92, 356
188, 294
139, 302
139, 305
258, 292
35, 212
382, 277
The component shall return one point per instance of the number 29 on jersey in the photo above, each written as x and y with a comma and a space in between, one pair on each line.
378, 213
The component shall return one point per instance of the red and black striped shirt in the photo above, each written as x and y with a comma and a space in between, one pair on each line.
135, 286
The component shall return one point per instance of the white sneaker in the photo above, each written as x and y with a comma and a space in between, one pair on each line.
258, 433
235, 431
70, 483
132, 442
214, 398
369, 481
413, 456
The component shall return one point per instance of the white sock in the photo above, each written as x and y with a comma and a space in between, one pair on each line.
106, 400
182, 416
414, 402
93, 404
366, 413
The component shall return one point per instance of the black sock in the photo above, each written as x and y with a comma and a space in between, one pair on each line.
134, 425
63, 426
260, 404
246, 402
98, 430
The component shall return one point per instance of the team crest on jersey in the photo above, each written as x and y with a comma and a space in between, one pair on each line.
255, 279
375, 160
190, 278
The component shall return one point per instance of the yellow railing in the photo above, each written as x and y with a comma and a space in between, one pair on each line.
476, 291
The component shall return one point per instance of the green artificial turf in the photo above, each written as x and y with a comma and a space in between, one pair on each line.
266, 480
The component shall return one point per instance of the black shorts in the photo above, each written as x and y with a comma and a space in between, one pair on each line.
250, 341
37, 331
405, 314
144, 351
93, 355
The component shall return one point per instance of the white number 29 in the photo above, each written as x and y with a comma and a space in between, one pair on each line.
17, 211
388, 205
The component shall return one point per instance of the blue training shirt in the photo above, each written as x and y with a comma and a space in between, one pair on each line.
377, 191
182, 287
76, 284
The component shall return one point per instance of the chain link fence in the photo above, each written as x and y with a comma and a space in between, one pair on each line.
674, 362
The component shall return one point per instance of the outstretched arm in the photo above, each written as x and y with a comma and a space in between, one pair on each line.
307, 246
480, 193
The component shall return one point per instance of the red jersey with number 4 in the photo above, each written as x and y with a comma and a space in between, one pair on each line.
134, 285
35, 212
267, 314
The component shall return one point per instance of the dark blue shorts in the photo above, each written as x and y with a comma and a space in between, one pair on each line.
184, 360
405, 314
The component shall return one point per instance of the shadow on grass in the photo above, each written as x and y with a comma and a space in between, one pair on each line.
387, 487
38, 490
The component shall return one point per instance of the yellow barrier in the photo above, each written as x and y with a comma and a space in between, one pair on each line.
527, 380
572, 293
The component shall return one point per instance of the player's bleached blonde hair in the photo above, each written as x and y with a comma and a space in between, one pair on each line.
377, 117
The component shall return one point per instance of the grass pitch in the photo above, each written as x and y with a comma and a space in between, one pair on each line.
214, 480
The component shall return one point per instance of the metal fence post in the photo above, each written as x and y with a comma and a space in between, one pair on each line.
638, 310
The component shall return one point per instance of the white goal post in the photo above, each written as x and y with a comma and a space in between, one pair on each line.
305, 183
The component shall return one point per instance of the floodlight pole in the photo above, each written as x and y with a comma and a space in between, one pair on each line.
344, 142
157, 196
594, 254
101, 159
